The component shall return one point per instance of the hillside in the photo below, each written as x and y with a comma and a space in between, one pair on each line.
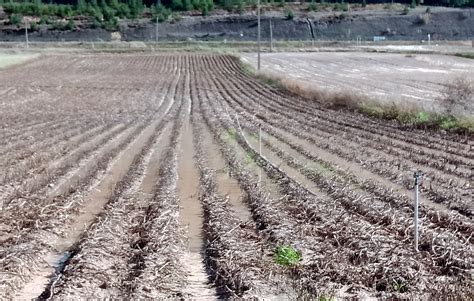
291, 22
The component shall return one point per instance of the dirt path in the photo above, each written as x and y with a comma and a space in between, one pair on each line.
226, 185
191, 217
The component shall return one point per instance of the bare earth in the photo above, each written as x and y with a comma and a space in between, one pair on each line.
388, 77
141, 176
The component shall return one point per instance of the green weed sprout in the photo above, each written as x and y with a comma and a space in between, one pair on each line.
286, 256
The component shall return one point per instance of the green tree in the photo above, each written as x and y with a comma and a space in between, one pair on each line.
187, 5
240, 6
204, 10
113, 4
177, 4
197, 4
81, 6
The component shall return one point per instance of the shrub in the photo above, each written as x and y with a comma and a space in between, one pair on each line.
458, 95
95, 24
70, 25
289, 14
44, 20
15, 19
176, 17
413, 4
312, 6
33, 26
406, 10
57, 25
423, 19
111, 24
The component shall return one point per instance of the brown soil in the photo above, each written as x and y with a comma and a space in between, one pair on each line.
143, 178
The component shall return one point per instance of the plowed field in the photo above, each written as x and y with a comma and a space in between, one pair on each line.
413, 79
142, 176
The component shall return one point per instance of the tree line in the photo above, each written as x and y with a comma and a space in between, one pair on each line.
109, 11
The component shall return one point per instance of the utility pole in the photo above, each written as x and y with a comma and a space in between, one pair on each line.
271, 36
156, 31
417, 175
258, 34
26, 36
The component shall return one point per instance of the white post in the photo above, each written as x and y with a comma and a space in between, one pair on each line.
258, 35
26, 36
417, 176
271, 36
429, 39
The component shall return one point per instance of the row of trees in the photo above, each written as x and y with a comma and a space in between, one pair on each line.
110, 10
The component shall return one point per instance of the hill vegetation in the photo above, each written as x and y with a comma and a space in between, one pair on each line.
107, 13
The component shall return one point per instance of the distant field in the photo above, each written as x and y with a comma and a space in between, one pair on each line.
389, 77
9, 59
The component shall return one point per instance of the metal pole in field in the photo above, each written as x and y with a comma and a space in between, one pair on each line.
271, 36
156, 33
258, 35
417, 176
26, 36
260, 150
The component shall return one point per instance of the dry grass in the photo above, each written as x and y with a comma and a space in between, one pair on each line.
457, 96
10, 59
328, 97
